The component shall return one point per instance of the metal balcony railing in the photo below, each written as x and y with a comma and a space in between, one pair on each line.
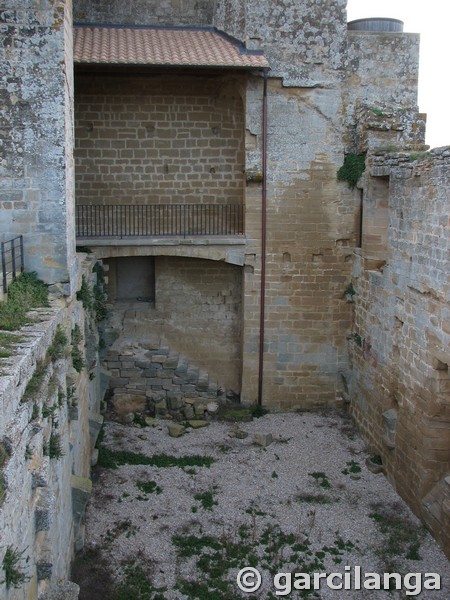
154, 220
12, 260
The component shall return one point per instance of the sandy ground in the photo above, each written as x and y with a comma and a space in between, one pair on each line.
311, 483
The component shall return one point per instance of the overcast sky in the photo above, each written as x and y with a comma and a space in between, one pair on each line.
430, 18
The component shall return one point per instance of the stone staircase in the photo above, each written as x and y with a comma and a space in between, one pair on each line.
147, 376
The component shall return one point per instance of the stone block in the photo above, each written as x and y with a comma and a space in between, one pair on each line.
143, 364
150, 372
81, 491
95, 425
200, 409
125, 403
116, 382
176, 430
174, 402
171, 362
155, 396
188, 411
159, 358
188, 388
198, 423
263, 439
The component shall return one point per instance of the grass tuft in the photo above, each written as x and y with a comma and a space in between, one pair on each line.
25, 293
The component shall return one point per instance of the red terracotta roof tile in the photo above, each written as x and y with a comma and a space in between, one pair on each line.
162, 46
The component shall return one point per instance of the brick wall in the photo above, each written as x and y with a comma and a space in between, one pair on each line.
158, 140
400, 343
200, 304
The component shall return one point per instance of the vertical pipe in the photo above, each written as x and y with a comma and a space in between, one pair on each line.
22, 258
5, 282
13, 258
263, 242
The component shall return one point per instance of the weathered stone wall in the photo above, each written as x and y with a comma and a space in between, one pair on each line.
380, 93
50, 421
383, 61
303, 41
159, 140
36, 169
144, 12
399, 346
310, 216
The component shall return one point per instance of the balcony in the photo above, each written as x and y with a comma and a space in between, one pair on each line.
158, 220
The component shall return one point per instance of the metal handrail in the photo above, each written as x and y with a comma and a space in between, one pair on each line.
155, 220
12, 260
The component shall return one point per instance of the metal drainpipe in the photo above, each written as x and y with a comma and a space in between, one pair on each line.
263, 241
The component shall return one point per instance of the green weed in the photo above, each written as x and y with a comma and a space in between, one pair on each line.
149, 487
402, 536
58, 346
25, 293
54, 448
137, 585
85, 296
314, 499
77, 356
112, 459
352, 467
206, 499
14, 577
321, 479
352, 169
35, 383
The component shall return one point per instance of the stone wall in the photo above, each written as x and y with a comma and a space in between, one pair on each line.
383, 61
303, 41
50, 421
36, 170
159, 139
310, 215
399, 345
196, 311
200, 304
141, 12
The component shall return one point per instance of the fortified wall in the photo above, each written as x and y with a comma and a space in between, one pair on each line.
50, 390
399, 390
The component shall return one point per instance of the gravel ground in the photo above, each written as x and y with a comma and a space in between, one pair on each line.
306, 502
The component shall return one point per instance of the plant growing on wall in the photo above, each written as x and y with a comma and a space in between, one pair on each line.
25, 293
53, 449
77, 356
3, 459
14, 577
84, 295
352, 169
58, 346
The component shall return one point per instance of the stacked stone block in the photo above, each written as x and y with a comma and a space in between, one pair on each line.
148, 378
